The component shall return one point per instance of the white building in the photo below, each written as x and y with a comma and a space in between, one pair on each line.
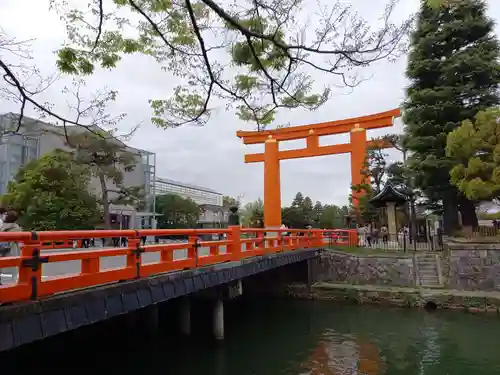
200, 195
213, 214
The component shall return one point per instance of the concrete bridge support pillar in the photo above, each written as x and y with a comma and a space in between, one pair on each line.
149, 318
218, 317
185, 316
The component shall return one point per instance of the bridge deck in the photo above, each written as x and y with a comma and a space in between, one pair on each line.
60, 289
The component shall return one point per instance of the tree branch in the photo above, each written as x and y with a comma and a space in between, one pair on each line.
271, 54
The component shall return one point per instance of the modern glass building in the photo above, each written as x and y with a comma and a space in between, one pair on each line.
15, 151
36, 138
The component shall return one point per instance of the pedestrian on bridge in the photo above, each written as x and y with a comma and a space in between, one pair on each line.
3, 211
10, 249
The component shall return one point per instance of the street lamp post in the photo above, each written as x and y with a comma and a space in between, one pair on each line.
121, 226
240, 199
410, 182
413, 220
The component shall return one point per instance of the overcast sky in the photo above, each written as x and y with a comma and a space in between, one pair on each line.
212, 156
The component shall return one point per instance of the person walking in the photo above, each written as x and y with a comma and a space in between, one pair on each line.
368, 235
384, 232
361, 235
375, 232
10, 249
3, 211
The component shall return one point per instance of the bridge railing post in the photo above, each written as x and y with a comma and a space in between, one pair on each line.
318, 238
280, 243
134, 256
193, 246
30, 270
235, 246
352, 238
260, 240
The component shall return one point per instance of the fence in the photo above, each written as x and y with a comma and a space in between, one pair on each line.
390, 242
96, 266
484, 231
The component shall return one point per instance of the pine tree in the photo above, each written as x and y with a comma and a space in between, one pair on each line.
308, 210
318, 211
454, 72
298, 200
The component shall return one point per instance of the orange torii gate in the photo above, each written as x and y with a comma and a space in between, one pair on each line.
271, 157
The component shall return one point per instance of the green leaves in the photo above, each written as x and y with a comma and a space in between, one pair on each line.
454, 72
176, 211
264, 115
475, 148
52, 193
229, 202
108, 159
257, 53
252, 214
71, 61
184, 103
246, 83
302, 212
436, 4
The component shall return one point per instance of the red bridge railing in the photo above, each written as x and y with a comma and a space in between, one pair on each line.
237, 244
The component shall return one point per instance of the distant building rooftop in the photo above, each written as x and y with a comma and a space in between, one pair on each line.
31, 124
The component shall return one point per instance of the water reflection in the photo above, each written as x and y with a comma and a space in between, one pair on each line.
290, 338
432, 350
370, 341
338, 354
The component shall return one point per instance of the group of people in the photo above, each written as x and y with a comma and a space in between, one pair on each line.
116, 241
370, 234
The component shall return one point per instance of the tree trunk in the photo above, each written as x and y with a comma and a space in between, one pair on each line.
105, 200
450, 213
468, 213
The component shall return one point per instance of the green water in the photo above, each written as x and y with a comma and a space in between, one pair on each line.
292, 338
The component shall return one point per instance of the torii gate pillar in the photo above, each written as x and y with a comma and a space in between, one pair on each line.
359, 146
272, 189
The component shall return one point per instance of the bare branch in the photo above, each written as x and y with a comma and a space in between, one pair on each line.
90, 115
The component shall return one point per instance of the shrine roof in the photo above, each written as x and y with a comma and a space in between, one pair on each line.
389, 194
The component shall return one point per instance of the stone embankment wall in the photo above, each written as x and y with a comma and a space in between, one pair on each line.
465, 265
472, 301
472, 266
469, 274
340, 267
